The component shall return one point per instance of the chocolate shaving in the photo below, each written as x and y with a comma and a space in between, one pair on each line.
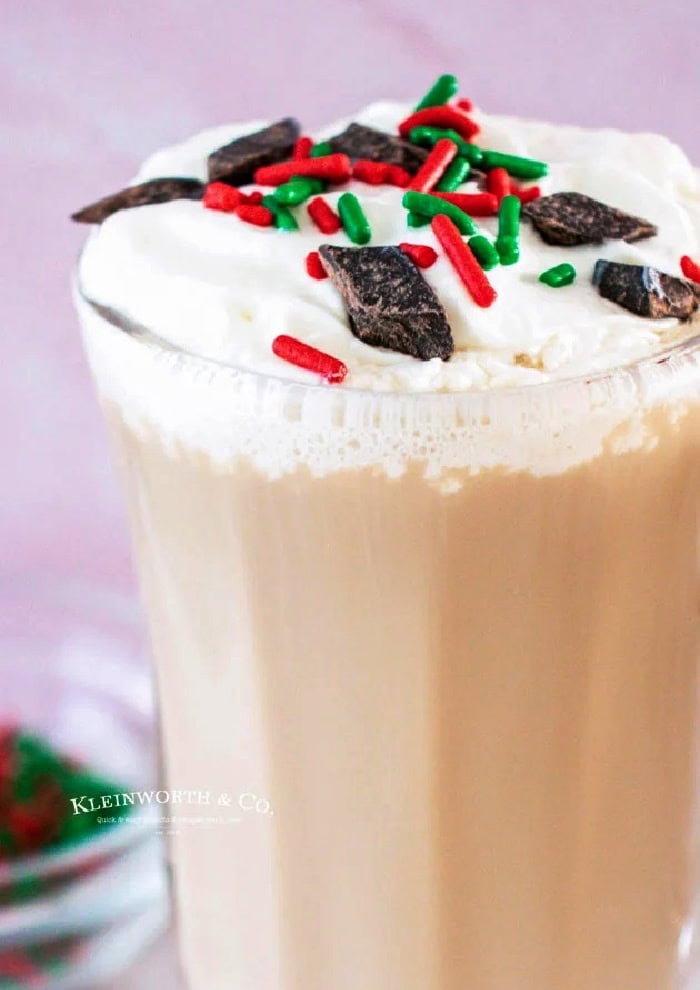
236, 163
570, 218
645, 291
388, 301
359, 141
144, 194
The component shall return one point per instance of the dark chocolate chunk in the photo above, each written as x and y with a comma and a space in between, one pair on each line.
237, 162
388, 301
645, 291
358, 141
570, 218
144, 194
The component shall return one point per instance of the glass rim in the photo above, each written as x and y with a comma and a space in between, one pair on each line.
634, 372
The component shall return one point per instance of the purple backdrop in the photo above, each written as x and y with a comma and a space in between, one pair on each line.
88, 88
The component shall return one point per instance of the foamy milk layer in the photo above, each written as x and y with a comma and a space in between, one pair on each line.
186, 403
223, 289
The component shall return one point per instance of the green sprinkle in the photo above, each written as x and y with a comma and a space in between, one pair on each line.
521, 168
432, 206
509, 217
558, 276
284, 218
456, 173
416, 220
353, 219
428, 137
442, 91
294, 192
484, 252
508, 250
508, 230
319, 150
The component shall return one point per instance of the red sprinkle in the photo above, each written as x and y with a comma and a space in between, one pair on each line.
323, 216
483, 204
374, 173
421, 254
464, 103
690, 268
498, 183
220, 196
525, 195
253, 198
314, 266
16, 965
302, 149
445, 116
380, 173
333, 168
398, 176
304, 356
463, 261
432, 169
258, 215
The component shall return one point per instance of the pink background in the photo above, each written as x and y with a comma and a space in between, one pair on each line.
88, 88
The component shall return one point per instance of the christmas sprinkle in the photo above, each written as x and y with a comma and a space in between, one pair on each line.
323, 216
380, 173
429, 136
415, 220
525, 195
420, 254
304, 356
297, 191
283, 217
451, 118
433, 168
455, 175
475, 204
302, 149
463, 261
559, 275
690, 268
442, 91
484, 252
507, 242
36, 787
259, 216
352, 216
430, 206
520, 168
321, 150
221, 196
498, 183
314, 266
330, 168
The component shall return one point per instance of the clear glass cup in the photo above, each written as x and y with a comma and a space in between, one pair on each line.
439, 654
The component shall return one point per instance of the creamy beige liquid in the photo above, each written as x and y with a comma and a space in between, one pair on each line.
473, 710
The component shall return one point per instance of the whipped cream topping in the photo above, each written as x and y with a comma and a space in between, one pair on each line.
222, 289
